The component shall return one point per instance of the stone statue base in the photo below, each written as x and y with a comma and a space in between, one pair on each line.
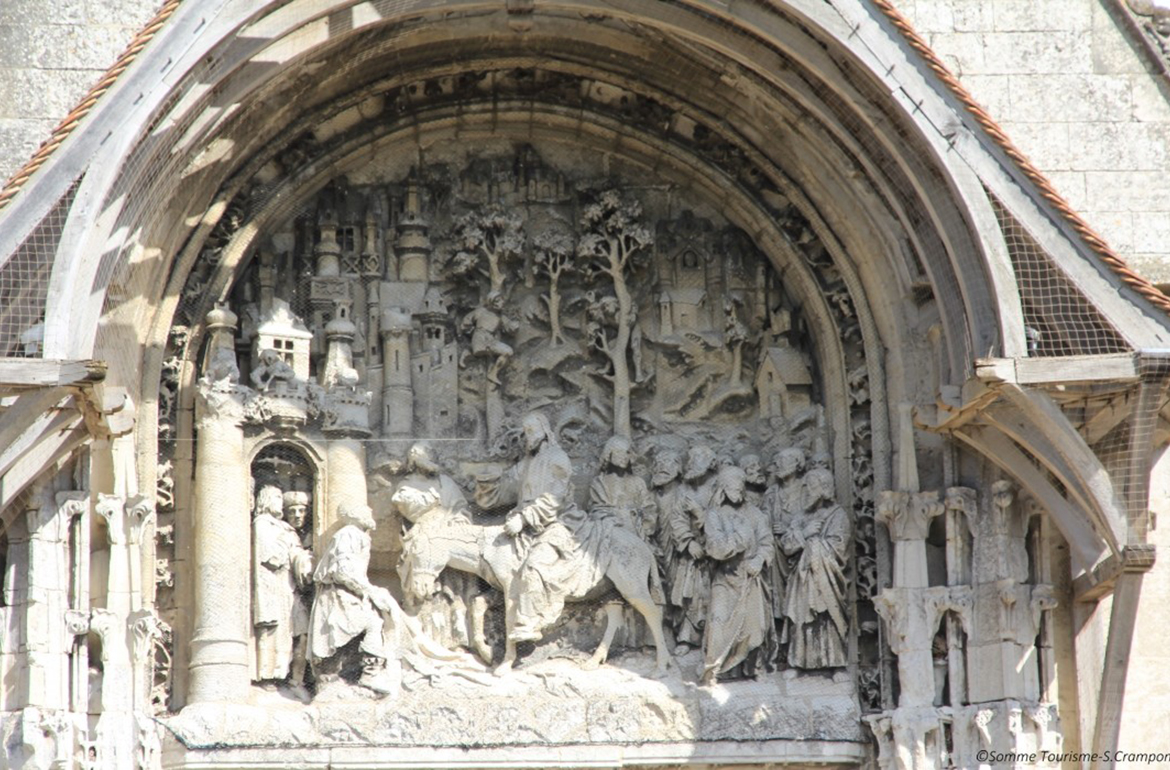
547, 714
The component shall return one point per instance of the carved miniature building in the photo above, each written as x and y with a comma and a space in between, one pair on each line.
472, 389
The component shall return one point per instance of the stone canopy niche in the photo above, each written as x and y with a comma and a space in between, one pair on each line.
535, 452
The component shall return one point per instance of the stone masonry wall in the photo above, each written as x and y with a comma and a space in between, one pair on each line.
1069, 88
51, 53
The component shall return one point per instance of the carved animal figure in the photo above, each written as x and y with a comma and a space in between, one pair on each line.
441, 539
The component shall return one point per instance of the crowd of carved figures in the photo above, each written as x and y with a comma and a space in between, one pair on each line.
744, 562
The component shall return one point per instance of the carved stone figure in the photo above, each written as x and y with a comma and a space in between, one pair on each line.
783, 502
347, 604
755, 479
688, 569
296, 511
445, 620
542, 523
272, 369
664, 483
739, 626
619, 493
818, 543
487, 323
280, 566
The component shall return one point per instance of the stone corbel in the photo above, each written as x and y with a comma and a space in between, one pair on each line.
1047, 721
112, 508
77, 622
106, 625
882, 727
890, 606
1003, 494
982, 722
72, 504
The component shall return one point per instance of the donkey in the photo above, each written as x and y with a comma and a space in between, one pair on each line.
440, 538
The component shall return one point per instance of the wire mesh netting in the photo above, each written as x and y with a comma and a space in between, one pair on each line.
1058, 319
24, 283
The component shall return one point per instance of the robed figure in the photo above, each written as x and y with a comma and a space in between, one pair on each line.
739, 625
281, 565
551, 532
818, 543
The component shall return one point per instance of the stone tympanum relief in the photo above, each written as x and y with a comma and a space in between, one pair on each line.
507, 424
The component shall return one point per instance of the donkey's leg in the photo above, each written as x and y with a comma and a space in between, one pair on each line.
506, 664
653, 615
479, 607
635, 589
613, 619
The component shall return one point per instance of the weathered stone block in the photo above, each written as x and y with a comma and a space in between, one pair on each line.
1039, 15
1119, 146
1056, 53
1074, 97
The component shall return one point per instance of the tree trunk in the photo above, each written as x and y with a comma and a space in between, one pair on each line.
554, 312
621, 370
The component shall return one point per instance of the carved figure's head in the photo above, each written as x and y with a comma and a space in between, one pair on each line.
818, 486
421, 460
359, 515
753, 469
788, 462
730, 484
495, 301
700, 461
616, 454
296, 507
270, 500
667, 467
537, 431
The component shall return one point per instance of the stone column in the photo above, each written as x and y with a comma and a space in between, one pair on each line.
907, 515
46, 637
219, 643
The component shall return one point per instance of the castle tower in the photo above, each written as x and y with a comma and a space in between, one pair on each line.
413, 247
328, 252
397, 394
433, 320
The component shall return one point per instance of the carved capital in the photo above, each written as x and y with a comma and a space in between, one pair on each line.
77, 622
907, 514
140, 512
957, 599
106, 625
112, 508
146, 627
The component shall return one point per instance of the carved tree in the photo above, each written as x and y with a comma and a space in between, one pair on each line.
615, 243
554, 257
485, 242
